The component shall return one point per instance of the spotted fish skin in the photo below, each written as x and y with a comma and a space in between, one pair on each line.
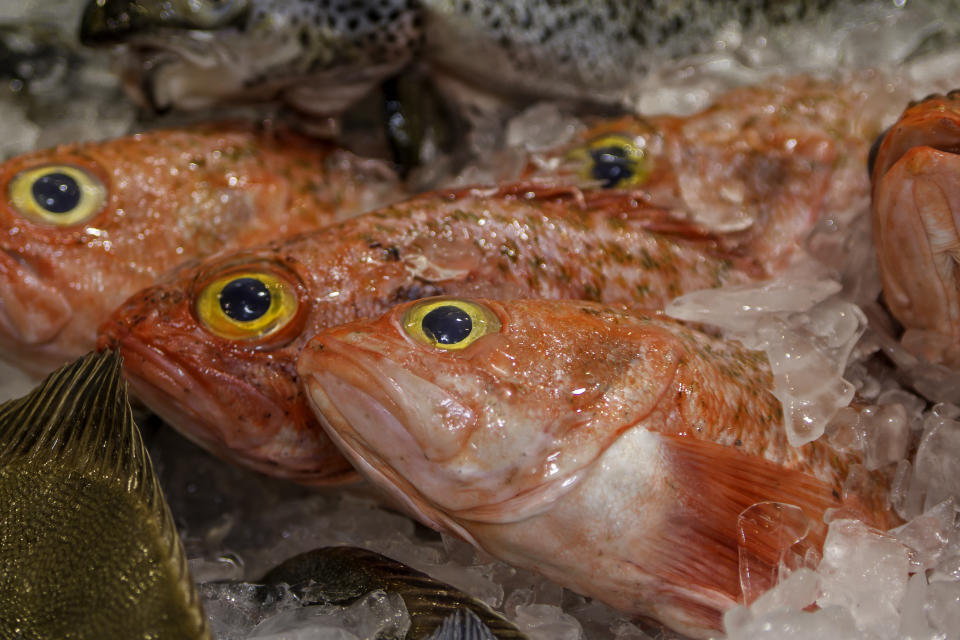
240, 397
320, 56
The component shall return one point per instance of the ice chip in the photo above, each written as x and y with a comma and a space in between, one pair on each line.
834, 623
943, 608
543, 126
864, 571
375, 615
796, 592
547, 622
927, 535
937, 463
913, 621
886, 434
762, 566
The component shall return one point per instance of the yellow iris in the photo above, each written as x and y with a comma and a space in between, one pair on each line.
247, 305
616, 161
57, 194
449, 323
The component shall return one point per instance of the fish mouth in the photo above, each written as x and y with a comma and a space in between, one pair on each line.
33, 315
357, 395
190, 404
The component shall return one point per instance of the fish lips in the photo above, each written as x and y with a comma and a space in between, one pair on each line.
221, 412
32, 311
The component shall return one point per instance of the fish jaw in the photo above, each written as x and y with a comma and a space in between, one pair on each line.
246, 412
916, 209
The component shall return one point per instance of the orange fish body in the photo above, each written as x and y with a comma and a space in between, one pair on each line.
230, 383
84, 226
611, 451
916, 209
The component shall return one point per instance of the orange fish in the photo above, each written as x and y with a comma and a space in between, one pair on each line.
213, 350
793, 148
84, 226
613, 452
916, 209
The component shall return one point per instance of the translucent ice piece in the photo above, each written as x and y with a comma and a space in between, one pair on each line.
772, 543
864, 571
927, 535
546, 622
375, 615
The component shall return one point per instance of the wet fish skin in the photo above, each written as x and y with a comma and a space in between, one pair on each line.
240, 398
167, 196
88, 546
611, 451
915, 205
339, 575
320, 58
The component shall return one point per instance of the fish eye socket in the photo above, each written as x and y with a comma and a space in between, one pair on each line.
615, 161
449, 324
247, 305
59, 195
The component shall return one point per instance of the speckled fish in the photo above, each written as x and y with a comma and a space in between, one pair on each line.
612, 452
916, 206
213, 350
792, 148
84, 226
88, 548
320, 56
339, 575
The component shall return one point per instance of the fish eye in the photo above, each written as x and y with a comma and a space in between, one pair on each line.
615, 161
57, 194
247, 305
449, 324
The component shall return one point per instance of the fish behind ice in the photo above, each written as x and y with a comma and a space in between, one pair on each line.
213, 349
340, 575
88, 548
322, 56
613, 452
916, 209
84, 226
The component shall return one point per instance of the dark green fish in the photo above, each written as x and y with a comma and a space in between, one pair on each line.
320, 55
338, 575
88, 548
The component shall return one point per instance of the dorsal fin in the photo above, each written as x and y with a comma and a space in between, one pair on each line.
76, 478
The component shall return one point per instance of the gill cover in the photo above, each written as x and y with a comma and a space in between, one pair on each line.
57, 194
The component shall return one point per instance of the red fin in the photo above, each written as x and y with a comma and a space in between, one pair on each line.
699, 546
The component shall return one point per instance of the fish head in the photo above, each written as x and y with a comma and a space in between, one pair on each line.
482, 410
618, 153
193, 54
916, 217
211, 348
83, 226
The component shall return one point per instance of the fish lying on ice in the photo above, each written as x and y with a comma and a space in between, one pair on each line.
915, 206
611, 451
321, 56
338, 575
213, 350
84, 226
793, 148
87, 544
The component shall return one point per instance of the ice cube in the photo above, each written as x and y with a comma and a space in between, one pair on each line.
937, 463
547, 622
772, 542
834, 623
943, 608
375, 615
913, 621
542, 126
864, 571
928, 534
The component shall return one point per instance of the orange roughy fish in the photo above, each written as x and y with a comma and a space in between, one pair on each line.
793, 148
610, 451
84, 226
916, 221
213, 351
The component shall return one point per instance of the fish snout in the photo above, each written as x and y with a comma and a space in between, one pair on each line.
32, 310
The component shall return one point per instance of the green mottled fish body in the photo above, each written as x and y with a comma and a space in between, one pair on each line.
336, 575
320, 56
88, 548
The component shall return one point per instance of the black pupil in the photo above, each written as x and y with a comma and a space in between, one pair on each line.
611, 165
56, 192
245, 299
447, 324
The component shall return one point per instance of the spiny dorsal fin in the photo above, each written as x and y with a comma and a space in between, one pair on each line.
75, 475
